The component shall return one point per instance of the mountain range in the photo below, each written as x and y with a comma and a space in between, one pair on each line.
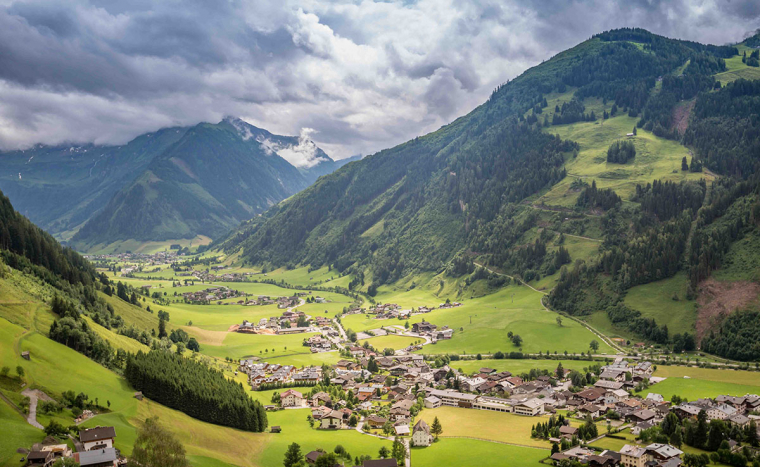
174, 183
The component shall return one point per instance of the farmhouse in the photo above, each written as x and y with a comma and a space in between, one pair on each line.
100, 437
529, 407
421, 434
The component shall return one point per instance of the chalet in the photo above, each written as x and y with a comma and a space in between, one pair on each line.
421, 434
100, 437
639, 416
567, 431
422, 328
591, 395
375, 421
333, 420
742, 421
591, 410
321, 398
311, 458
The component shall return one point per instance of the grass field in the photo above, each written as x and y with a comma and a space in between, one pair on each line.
656, 158
481, 325
475, 453
735, 69
655, 300
704, 382
487, 425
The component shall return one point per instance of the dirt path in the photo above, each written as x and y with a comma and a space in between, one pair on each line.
514, 278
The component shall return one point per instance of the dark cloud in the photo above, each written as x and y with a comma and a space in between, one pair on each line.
363, 74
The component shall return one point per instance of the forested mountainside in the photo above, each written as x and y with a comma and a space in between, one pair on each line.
60, 187
494, 186
224, 177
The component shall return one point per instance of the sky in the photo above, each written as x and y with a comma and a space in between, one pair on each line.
355, 76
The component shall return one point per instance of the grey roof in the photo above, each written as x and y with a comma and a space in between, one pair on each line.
97, 456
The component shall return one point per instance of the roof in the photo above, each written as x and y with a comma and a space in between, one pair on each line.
97, 433
632, 451
313, 455
95, 457
381, 463
422, 426
568, 430
292, 392
664, 450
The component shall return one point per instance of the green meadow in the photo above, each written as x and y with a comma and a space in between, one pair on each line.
459, 452
666, 302
481, 325
693, 383
391, 342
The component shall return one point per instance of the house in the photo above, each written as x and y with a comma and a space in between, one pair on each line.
311, 458
139, 396
375, 421
643, 415
591, 410
739, 420
529, 407
591, 395
661, 453
633, 456
567, 431
100, 437
333, 420
291, 398
321, 398
43, 458
275, 429
25, 355
639, 427
421, 434
423, 327
106, 457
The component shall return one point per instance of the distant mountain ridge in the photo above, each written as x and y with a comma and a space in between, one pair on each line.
161, 181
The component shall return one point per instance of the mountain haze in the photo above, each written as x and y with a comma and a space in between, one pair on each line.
207, 182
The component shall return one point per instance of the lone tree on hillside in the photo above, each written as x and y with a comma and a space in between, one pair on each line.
436, 428
559, 321
594, 345
293, 456
155, 446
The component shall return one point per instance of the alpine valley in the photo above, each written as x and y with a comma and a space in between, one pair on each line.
568, 275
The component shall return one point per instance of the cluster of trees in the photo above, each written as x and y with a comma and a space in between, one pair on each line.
550, 429
737, 338
195, 389
74, 332
753, 59
668, 199
621, 152
571, 112
591, 197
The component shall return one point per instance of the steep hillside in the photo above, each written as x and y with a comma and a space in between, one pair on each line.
59, 188
529, 184
413, 207
207, 182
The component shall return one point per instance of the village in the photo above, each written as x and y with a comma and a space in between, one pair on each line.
386, 396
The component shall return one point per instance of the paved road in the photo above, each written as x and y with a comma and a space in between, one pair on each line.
32, 417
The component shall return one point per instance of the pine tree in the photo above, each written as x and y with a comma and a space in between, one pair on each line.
293, 456
436, 428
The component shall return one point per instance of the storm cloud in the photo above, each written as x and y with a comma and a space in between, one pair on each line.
361, 75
